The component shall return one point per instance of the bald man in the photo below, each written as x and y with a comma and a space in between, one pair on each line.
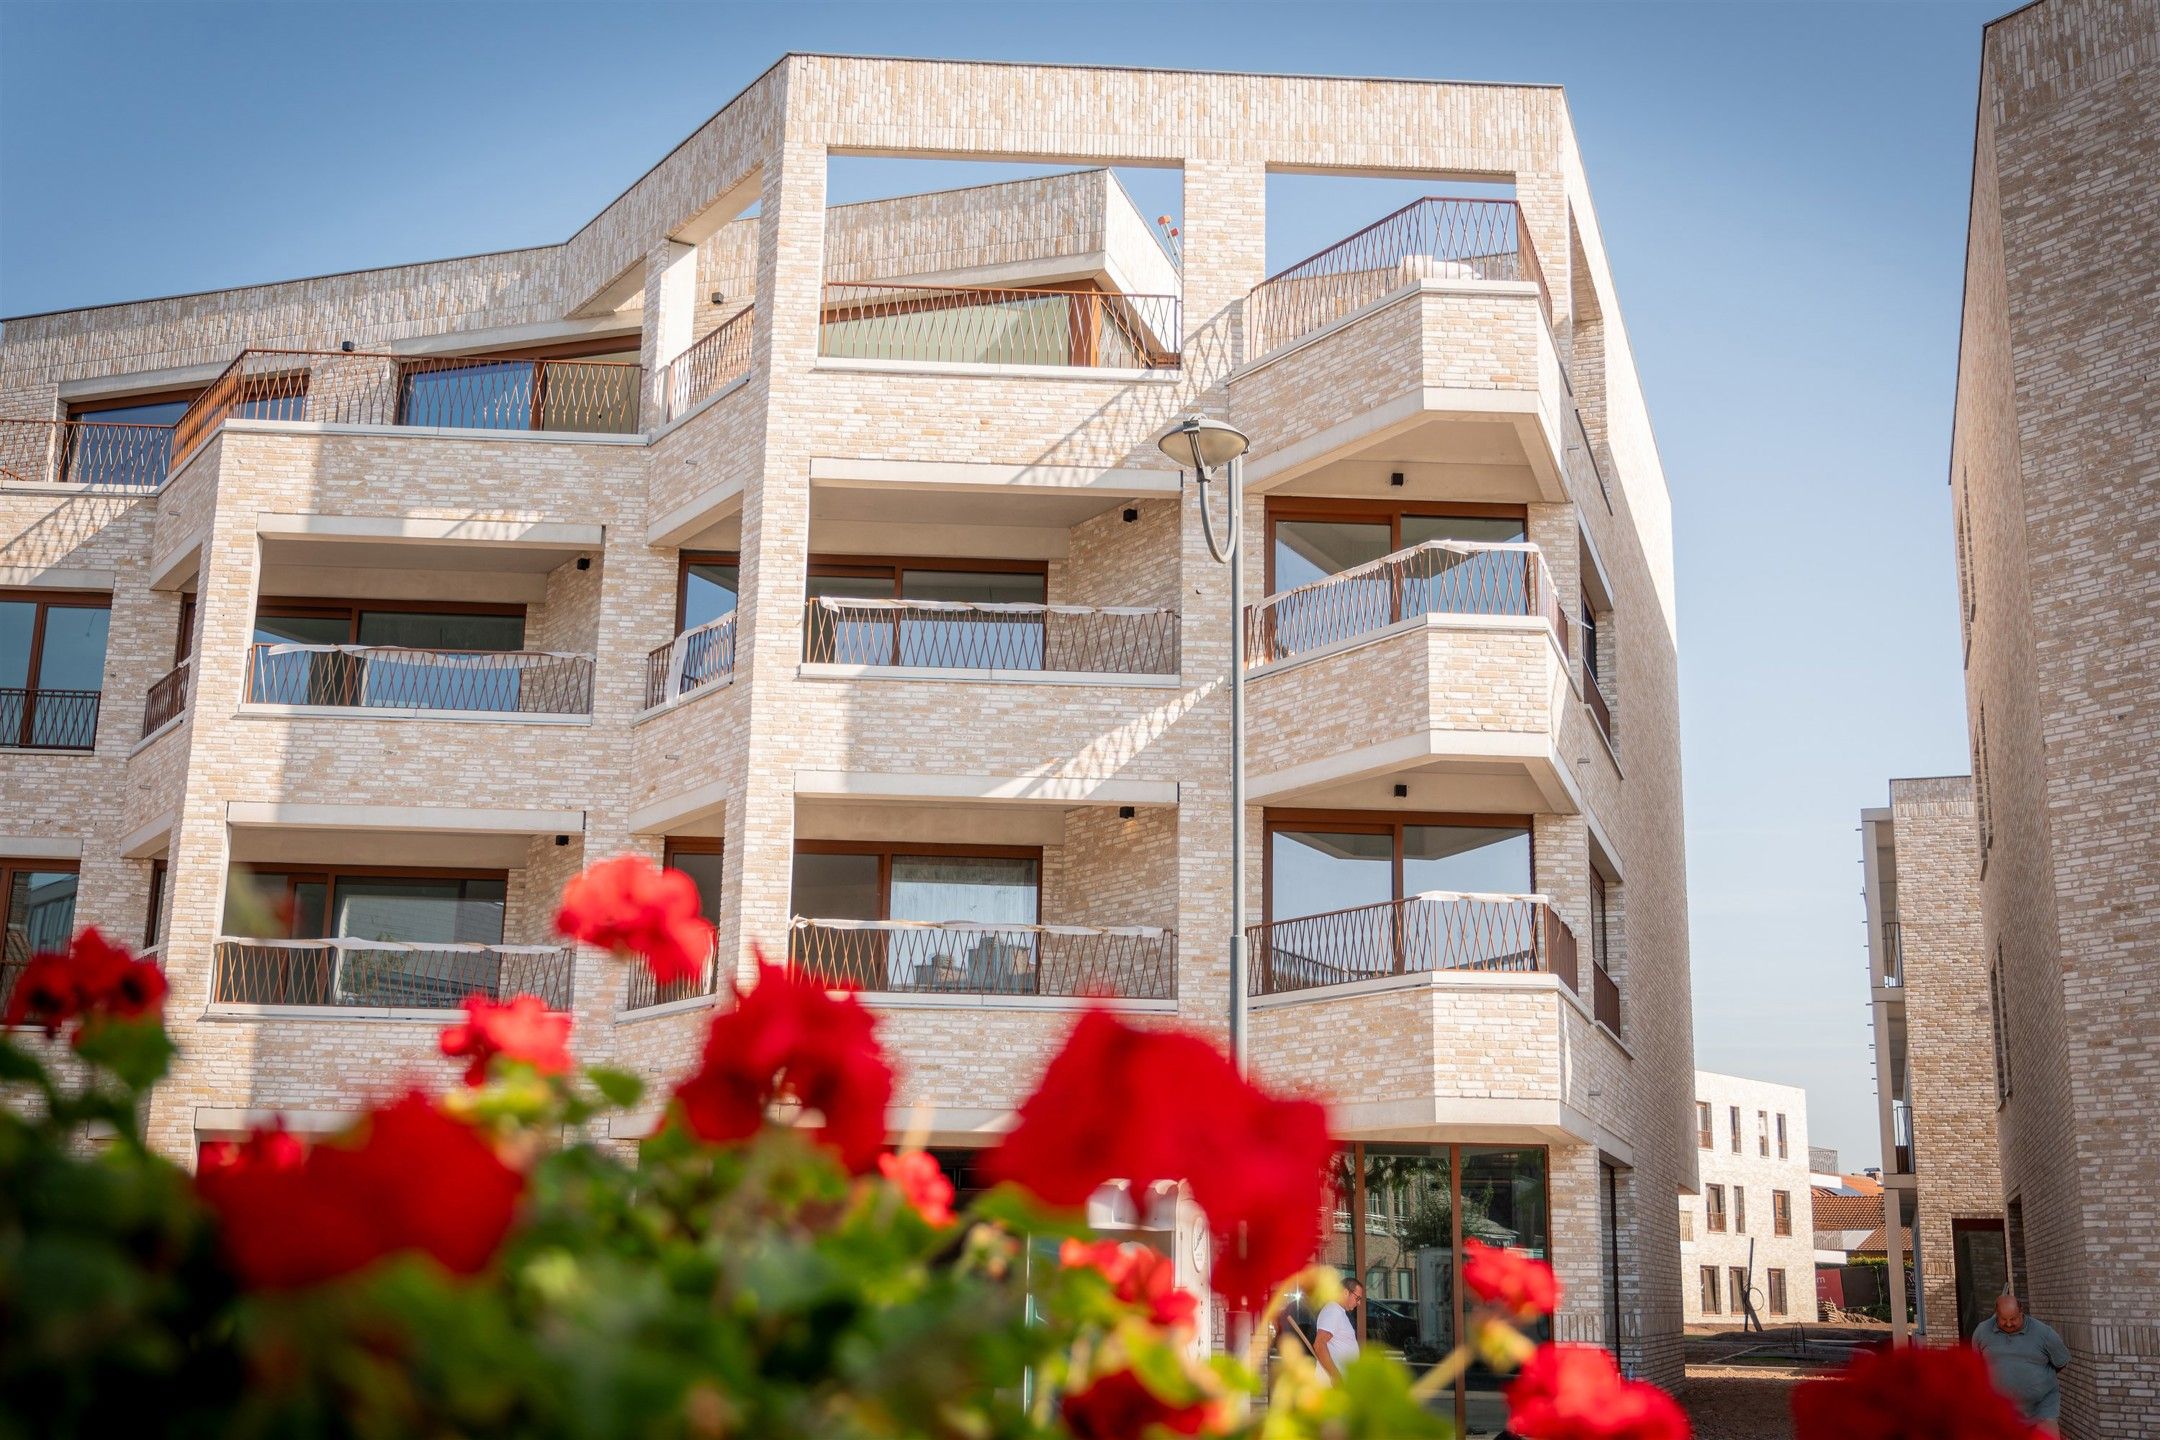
2024, 1356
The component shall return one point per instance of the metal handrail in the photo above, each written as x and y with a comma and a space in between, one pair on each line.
167, 699
698, 657
1437, 238
522, 682
35, 719
384, 974
1019, 636
1000, 325
1604, 998
1436, 577
1893, 953
459, 392
708, 365
1600, 704
966, 958
96, 454
642, 991
1430, 932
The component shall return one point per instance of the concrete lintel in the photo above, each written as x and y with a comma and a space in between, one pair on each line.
509, 337
1531, 749
139, 382
1097, 374
177, 566
276, 814
55, 577
235, 1120
36, 847
412, 529
697, 803
151, 839
1018, 789
963, 475
1463, 1118
700, 511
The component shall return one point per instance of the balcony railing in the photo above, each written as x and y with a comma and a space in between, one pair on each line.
95, 453
706, 366
366, 677
643, 991
954, 635
1893, 953
166, 700
457, 392
1437, 238
692, 660
1090, 329
1600, 708
385, 974
1604, 998
1437, 931
48, 719
1438, 577
1134, 962
1901, 1138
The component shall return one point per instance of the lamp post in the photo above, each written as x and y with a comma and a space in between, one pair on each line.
1206, 447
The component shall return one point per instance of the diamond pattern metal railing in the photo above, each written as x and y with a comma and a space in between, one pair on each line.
1435, 931
95, 453
707, 365
48, 719
384, 975
1437, 238
957, 958
976, 325
953, 635
167, 699
694, 659
1438, 577
364, 677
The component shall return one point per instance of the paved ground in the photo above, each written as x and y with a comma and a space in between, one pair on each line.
1741, 1402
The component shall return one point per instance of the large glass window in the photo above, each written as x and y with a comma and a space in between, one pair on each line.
52, 669
707, 590
1311, 540
461, 908
37, 907
1401, 1217
1469, 859
995, 892
951, 639
327, 677
124, 443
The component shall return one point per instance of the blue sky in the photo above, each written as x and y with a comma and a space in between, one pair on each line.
1782, 190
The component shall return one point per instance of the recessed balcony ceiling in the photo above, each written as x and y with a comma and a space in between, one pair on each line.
493, 559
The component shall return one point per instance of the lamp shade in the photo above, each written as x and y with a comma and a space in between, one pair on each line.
1200, 444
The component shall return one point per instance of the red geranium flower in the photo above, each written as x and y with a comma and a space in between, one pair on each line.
1104, 1111
629, 904
787, 1037
416, 1179
1139, 1276
92, 978
921, 1183
1523, 1287
1575, 1392
1909, 1392
524, 1030
1119, 1407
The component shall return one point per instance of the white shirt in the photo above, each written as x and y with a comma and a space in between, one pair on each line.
1338, 1333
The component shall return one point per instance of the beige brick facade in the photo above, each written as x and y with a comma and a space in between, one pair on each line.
1935, 1074
1121, 779
1732, 1223
2055, 460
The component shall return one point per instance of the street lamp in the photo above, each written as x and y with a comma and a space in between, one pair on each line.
1203, 446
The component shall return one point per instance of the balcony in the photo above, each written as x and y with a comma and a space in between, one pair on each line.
460, 392
991, 640
1438, 931
48, 719
1420, 346
707, 367
1901, 1137
384, 975
702, 655
413, 682
954, 959
1457, 656
1893, 953
94, 454
1058, 328
167, 700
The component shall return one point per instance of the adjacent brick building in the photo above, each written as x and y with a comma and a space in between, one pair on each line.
1747, 1237
828, 553
2054, 470
1934, 1066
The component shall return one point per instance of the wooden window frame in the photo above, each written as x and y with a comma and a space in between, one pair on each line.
44, 602
675, 845
1774, 1281
1736, 1280
1784, 1139
1781, 1212
1705, 1126
1739, 1209
1709, 1294
684, 559
88, 409
885, 851
153, 923
1714, 1212
11, 865
184, 642
1735, 1115
1762, 1137
291, 607
1330, 508
1376, 822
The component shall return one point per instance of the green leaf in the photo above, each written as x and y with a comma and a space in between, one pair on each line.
621, 1088
137, 1051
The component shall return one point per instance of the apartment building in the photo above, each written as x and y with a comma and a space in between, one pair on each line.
827, 553
1747, 1251
1934, 1060
2054, 464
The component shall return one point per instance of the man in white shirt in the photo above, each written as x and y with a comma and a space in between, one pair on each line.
1335, 1342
